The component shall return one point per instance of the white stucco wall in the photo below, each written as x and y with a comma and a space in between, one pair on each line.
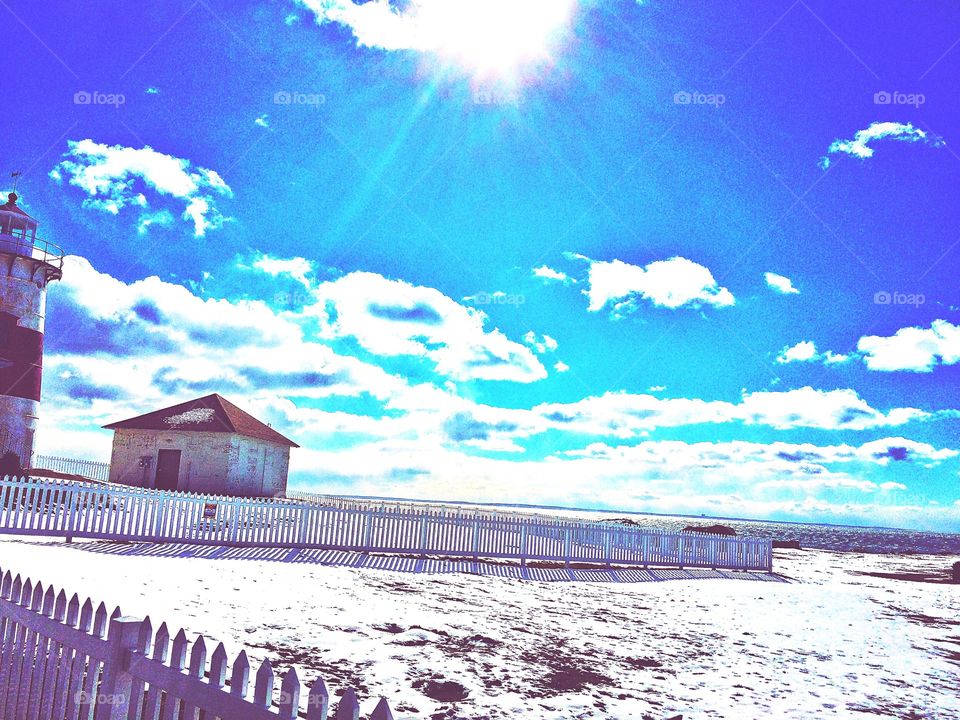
210, 462
258, 467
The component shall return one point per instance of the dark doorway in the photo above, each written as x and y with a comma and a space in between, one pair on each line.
168, 469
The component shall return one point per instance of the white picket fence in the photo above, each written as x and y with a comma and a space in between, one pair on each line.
86, 468
116, 512
63, 661
371, 503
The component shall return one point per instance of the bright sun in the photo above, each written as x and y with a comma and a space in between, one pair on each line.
486, 37
495, 36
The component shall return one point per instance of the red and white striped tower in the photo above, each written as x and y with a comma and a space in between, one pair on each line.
27, 264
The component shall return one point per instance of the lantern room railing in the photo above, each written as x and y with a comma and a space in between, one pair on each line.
23, 243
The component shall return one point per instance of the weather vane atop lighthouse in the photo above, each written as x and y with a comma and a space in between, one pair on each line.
16, 178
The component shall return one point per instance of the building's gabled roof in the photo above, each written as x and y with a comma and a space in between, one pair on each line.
211, 413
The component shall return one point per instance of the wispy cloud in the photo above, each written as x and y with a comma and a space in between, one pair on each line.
548, 274
780, 284
628, 415
297, 268
115, 177
859, 146
393, 318
913, 349
541, 344
806, 351
673, 283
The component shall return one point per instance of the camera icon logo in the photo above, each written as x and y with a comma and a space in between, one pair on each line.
682, 97
282, 97
882, 98
882, 298
82, 97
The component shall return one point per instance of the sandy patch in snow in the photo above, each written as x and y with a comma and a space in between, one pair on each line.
830, 643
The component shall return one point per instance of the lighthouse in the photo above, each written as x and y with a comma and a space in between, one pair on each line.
27, 265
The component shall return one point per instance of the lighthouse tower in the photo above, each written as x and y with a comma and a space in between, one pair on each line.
27, 264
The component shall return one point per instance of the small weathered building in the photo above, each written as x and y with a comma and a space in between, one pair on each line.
207, 445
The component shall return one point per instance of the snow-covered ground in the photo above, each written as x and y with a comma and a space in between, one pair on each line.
829, 643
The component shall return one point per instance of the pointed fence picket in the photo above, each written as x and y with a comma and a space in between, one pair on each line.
59, 662
37, 506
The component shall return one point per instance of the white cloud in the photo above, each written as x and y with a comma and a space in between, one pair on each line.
831, 358
624, 415
890, 485
486, 35
914, 349
560, 366
767, 466
672, 283
803, 351
262, 120
806, 351
162, 217
548, 274
859, 146
827, 409
297, 268
115, 177
541, 344
392, 317
780, 284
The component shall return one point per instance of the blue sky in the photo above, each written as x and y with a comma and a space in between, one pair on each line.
648, 256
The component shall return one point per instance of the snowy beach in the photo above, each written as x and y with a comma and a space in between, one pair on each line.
844, 635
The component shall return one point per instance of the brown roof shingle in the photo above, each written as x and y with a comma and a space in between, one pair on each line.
210, 413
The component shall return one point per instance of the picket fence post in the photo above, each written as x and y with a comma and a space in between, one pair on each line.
423, 535
113, 702
475, 543
303, 517
523, 544
161, 507
236, 512
367, 530
72, 517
